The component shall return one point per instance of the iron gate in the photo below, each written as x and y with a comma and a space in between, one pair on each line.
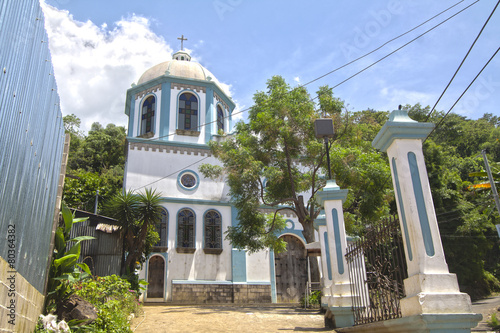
377, 268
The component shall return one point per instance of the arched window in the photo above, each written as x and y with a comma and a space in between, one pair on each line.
188, 112
185, 229
161, 229
220, 119
148, 115
213, 230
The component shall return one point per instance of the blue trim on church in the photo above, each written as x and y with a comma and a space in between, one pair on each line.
164, 115
209, 112
274, 296
239, 265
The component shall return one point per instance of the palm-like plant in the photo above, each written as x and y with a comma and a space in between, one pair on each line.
135, 213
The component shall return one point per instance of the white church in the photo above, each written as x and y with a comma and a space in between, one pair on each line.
174, 110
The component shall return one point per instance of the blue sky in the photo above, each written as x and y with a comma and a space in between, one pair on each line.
100, 47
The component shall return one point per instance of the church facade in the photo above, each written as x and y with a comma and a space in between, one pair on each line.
176, 108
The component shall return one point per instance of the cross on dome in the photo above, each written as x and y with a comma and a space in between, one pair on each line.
182, 39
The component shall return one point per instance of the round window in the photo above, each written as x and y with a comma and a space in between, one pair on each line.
188, 180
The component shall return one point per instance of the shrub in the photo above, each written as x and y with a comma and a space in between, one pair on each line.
114, 300
313, 300
493, 322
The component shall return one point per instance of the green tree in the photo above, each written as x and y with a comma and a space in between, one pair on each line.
137, 214
95, 163
273, 162
102, 149
366, 174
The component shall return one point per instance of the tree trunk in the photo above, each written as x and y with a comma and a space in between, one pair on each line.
308, 233
138, 247
128, 241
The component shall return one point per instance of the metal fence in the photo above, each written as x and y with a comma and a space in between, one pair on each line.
31, 138
377, 268
104, 253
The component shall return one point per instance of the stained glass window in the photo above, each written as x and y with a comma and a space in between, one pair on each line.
185, 232
148, 114
188, 112
213, 230
161, 229
188, 180
220, 119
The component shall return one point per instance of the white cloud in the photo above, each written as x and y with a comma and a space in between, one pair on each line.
394, 97
94, 66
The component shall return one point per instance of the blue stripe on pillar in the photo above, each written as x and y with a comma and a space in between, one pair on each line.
422, 211
402, 208
338, 244
328, 263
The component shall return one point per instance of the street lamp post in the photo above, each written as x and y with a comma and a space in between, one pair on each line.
323, 128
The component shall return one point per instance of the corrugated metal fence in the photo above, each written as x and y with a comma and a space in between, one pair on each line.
31, 137
102, 254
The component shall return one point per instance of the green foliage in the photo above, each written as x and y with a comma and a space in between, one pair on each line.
494, 322
214, 172
114, 300
136, 284
64, 268
366, 174
138, 214
95, 163
466, 218
278, 145
102, 149
485, 185
72, 125
313, 300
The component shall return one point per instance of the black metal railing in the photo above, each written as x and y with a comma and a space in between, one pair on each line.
377, 268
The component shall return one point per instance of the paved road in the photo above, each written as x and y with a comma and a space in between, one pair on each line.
486, 307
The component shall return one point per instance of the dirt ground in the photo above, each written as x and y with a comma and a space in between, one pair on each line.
220, 318
263, 318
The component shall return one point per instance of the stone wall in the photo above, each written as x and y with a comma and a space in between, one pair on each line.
20, 302
252, 293
189, 293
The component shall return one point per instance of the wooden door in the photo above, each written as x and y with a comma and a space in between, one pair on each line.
156, 277
291, 271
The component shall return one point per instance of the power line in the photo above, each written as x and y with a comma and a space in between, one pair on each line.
399, 48
463, 60
359, 58
173, 173
378, 48
463, 93
352, 76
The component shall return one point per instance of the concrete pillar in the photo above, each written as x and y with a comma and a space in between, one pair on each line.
326, 267
339, 299
430, 288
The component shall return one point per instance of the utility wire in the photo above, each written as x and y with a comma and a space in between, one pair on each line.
463, 60
357, 59
399, 48
381, 46
470, 84
173, 173
342, 82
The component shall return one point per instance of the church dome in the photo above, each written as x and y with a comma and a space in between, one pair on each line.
180, 66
